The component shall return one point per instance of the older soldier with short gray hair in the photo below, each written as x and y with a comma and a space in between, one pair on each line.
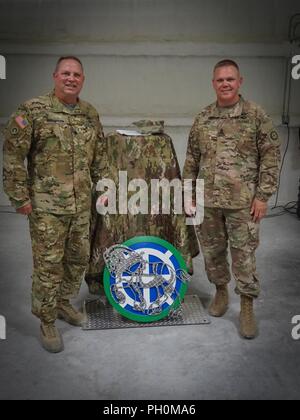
62, 139
234, 147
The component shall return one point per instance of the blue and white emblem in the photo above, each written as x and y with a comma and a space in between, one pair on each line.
145, 278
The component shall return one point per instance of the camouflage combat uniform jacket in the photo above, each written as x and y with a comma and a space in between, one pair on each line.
65, 152
237, 153
151, 156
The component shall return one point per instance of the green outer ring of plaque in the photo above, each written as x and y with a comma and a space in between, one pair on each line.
175, 304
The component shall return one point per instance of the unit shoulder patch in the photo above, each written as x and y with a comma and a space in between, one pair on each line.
274, 135
14, 131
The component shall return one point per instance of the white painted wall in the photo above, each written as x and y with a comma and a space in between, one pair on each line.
151, 58
94, 21
161, 86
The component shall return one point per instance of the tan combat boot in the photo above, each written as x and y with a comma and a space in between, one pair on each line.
69, 314
51, 338
219, 305
248, 326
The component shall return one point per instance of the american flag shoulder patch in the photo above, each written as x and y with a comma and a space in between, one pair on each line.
21, 121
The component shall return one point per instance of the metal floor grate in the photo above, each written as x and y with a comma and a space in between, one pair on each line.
102, 316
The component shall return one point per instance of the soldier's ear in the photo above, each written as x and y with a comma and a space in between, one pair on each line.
241, 80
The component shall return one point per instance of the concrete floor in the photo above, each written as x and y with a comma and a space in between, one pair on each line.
193, 362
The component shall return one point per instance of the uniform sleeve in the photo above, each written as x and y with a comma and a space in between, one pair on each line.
99, 168
193, 156
269, 158
17, 143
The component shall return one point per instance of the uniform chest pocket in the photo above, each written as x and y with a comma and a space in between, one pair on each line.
208, 140
84, 131
246, 142
54, 136
208, 147
240, 136
84, 141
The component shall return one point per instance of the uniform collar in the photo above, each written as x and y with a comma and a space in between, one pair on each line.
236, 111
60, 107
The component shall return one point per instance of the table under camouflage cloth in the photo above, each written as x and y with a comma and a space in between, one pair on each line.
150, 155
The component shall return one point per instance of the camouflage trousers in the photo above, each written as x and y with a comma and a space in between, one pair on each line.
60, 247
236, 228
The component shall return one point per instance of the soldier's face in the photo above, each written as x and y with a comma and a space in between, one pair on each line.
227, 82
68, 80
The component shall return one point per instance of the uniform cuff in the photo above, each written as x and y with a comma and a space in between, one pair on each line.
262, 197
19, 204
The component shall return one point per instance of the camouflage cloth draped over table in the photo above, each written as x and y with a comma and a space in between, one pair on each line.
148, 155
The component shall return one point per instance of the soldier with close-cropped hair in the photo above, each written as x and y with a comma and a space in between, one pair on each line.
62, 139
234, 147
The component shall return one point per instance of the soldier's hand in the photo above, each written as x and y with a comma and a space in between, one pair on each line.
25, 210
102, 201
190, 208
258, 210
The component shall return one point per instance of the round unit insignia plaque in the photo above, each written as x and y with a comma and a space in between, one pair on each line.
145, 278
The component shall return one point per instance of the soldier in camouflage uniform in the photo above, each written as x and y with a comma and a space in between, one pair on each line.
148, 156
62, 139
234, 147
